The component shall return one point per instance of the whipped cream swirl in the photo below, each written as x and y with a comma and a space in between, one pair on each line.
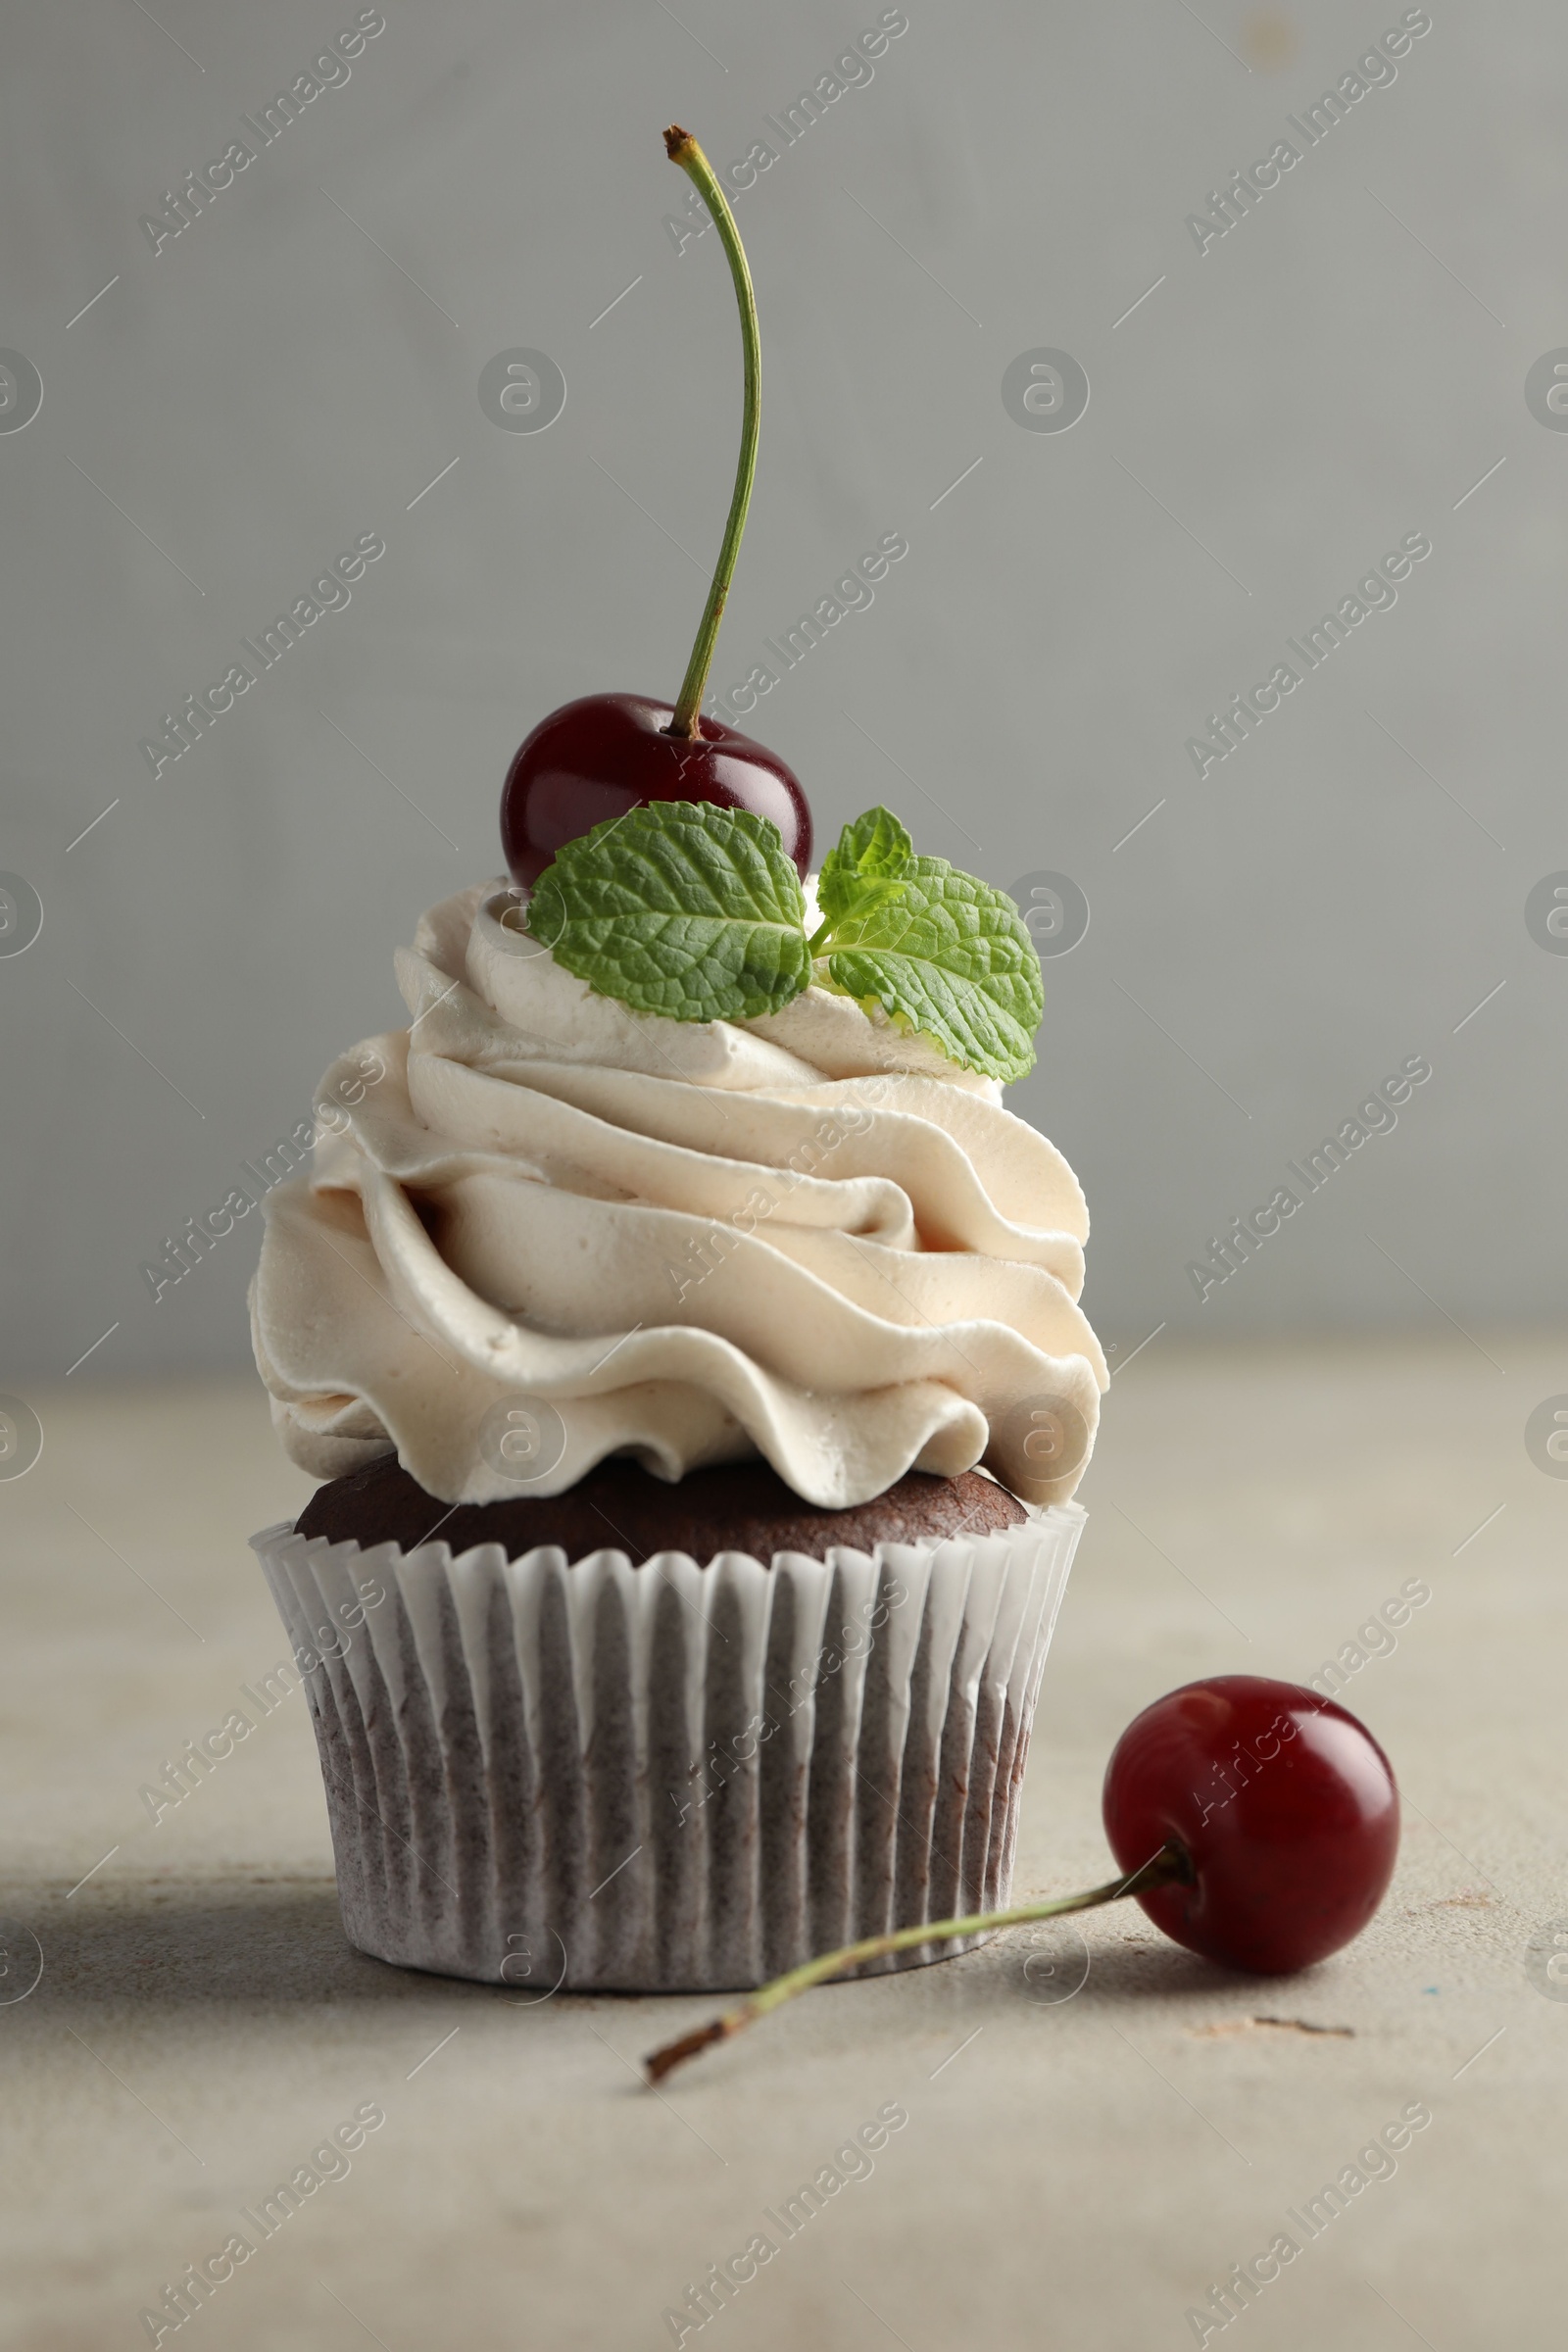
809, 1236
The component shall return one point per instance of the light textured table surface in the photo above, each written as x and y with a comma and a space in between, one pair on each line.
1072, 2172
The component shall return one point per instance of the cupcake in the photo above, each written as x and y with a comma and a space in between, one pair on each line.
689, 1341
700, 1405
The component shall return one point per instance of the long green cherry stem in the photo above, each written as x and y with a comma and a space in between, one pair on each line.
683, 149
1164, 1869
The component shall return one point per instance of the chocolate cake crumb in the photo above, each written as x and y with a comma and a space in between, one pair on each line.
736, 1506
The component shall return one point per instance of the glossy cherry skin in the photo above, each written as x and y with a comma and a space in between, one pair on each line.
597, 758
1285, 1805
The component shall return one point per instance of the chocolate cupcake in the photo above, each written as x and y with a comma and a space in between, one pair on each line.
699, 1405
676, 1317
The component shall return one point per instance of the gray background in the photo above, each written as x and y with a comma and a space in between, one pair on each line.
1277, 414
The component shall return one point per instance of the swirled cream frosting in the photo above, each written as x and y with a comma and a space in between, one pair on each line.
807, 1237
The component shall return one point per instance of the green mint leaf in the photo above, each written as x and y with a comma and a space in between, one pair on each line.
696, 913
949, 958
679, 908
873, 850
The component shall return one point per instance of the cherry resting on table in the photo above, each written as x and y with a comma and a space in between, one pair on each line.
1283, 1803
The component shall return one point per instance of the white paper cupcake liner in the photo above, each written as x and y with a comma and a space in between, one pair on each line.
669, 1778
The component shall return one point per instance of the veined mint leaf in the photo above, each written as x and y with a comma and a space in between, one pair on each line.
679, 908
873, 850
696, 912
949, 958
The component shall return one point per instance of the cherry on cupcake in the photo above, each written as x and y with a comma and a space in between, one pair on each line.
1254, 1822
594, 759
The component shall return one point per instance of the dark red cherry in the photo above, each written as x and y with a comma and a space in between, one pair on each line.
1284, 1805
597, 758
593, 760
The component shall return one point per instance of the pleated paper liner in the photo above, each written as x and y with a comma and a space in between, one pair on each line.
672, 1778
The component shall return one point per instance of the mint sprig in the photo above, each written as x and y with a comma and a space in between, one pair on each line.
696, 912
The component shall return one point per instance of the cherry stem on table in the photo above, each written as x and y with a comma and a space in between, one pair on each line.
1164, 1869
683, 149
